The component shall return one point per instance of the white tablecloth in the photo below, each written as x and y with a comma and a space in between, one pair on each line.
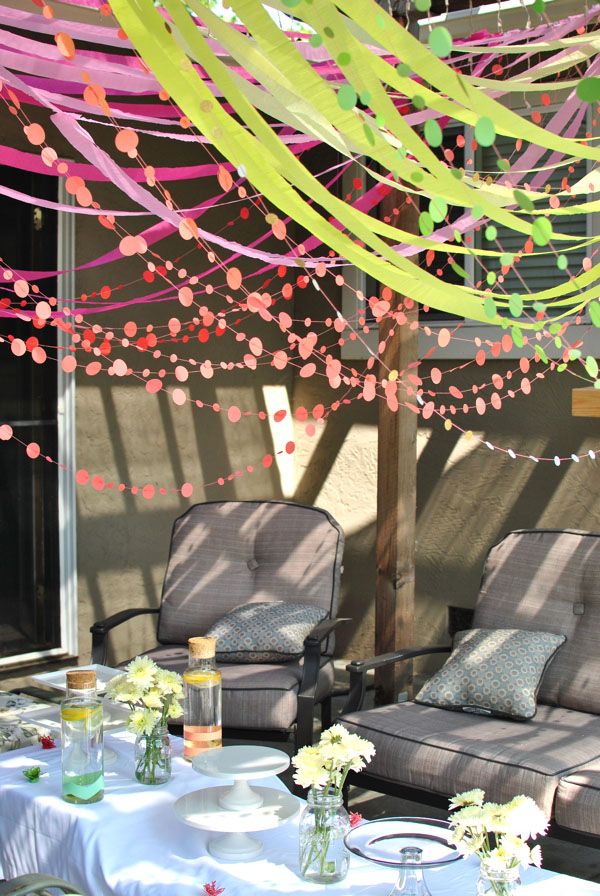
133, 844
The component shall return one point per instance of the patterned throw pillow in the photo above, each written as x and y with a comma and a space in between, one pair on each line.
493, 672
271, 632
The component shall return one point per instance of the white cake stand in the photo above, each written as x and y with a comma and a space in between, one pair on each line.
239, 809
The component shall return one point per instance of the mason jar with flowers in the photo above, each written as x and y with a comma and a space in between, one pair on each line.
325, 822
498, 835
154, 696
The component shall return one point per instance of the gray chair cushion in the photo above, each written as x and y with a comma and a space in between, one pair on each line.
271, 632
261, 696
549, 580
492, 672
228, 553
446, 752
578, 800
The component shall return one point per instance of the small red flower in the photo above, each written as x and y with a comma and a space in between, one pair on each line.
355, 818
47, 742
213, 889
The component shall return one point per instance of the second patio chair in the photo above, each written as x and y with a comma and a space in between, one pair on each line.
226, 554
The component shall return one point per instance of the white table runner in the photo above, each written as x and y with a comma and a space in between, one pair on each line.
133, 844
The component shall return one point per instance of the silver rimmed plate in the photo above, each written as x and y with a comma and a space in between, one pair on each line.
382, 840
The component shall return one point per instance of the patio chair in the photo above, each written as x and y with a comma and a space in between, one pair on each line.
225, 554
544, 585
37, 885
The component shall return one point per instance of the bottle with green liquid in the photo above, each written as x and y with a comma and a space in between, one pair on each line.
82, 745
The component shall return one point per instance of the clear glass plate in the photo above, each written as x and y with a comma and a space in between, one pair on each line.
381, 841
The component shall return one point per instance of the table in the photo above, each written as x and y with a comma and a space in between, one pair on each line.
132, 843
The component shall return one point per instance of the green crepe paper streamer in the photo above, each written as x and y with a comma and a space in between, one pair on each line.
428, 299
165, 57
588, 90
363, 64
403, 45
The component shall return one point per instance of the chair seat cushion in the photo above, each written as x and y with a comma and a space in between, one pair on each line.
578, 800
255, 695
265, 632
446, 752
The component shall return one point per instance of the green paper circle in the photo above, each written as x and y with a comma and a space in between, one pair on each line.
418, 102
491, 233
489, 307
506, 260
346, 97
541, 231
477, 212
316, 40
403, 69
426, 224
562, 262
327, 31
433, 132
422, 5
490, 278
440, 42
438, 209
344, 58
485, 132
365, 97
523, 200
515, 304
588, 90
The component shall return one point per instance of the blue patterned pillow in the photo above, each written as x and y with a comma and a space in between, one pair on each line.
492, 672
270, 632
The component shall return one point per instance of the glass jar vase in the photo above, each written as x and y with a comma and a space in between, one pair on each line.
323, 825
152, 756
494, 881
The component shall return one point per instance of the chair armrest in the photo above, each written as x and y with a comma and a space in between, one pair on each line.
310, 677
358, 671
101, 629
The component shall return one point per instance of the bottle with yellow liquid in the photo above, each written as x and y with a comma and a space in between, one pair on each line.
82, 755
202, 706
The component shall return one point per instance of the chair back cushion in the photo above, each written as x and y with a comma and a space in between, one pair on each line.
227, 553
549, 580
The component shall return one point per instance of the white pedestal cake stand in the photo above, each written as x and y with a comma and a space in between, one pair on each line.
239, 809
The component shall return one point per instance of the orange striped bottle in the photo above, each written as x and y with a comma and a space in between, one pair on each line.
202, 705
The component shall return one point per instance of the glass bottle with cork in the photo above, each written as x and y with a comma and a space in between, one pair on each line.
82, 755
202, 705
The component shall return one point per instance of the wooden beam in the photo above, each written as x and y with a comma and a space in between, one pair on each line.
396, 488
585, 402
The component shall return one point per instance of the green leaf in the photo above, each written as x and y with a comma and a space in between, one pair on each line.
485, 131
489, 307
541, 231
539, 6
523, 200
433, 132
438, 209
515, 304
426, 223
588, 90
594, 309
32, 774
440, 42
591, 366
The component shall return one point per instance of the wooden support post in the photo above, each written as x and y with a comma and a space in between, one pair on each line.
585, 402
396, 490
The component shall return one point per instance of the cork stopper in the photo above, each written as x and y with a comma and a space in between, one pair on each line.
202, 648
81, 680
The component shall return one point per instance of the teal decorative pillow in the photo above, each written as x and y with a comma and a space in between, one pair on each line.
271, 632
494, 672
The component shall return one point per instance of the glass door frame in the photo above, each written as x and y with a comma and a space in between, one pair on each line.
67, 513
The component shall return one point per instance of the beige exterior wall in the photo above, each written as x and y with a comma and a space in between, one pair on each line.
468, 496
